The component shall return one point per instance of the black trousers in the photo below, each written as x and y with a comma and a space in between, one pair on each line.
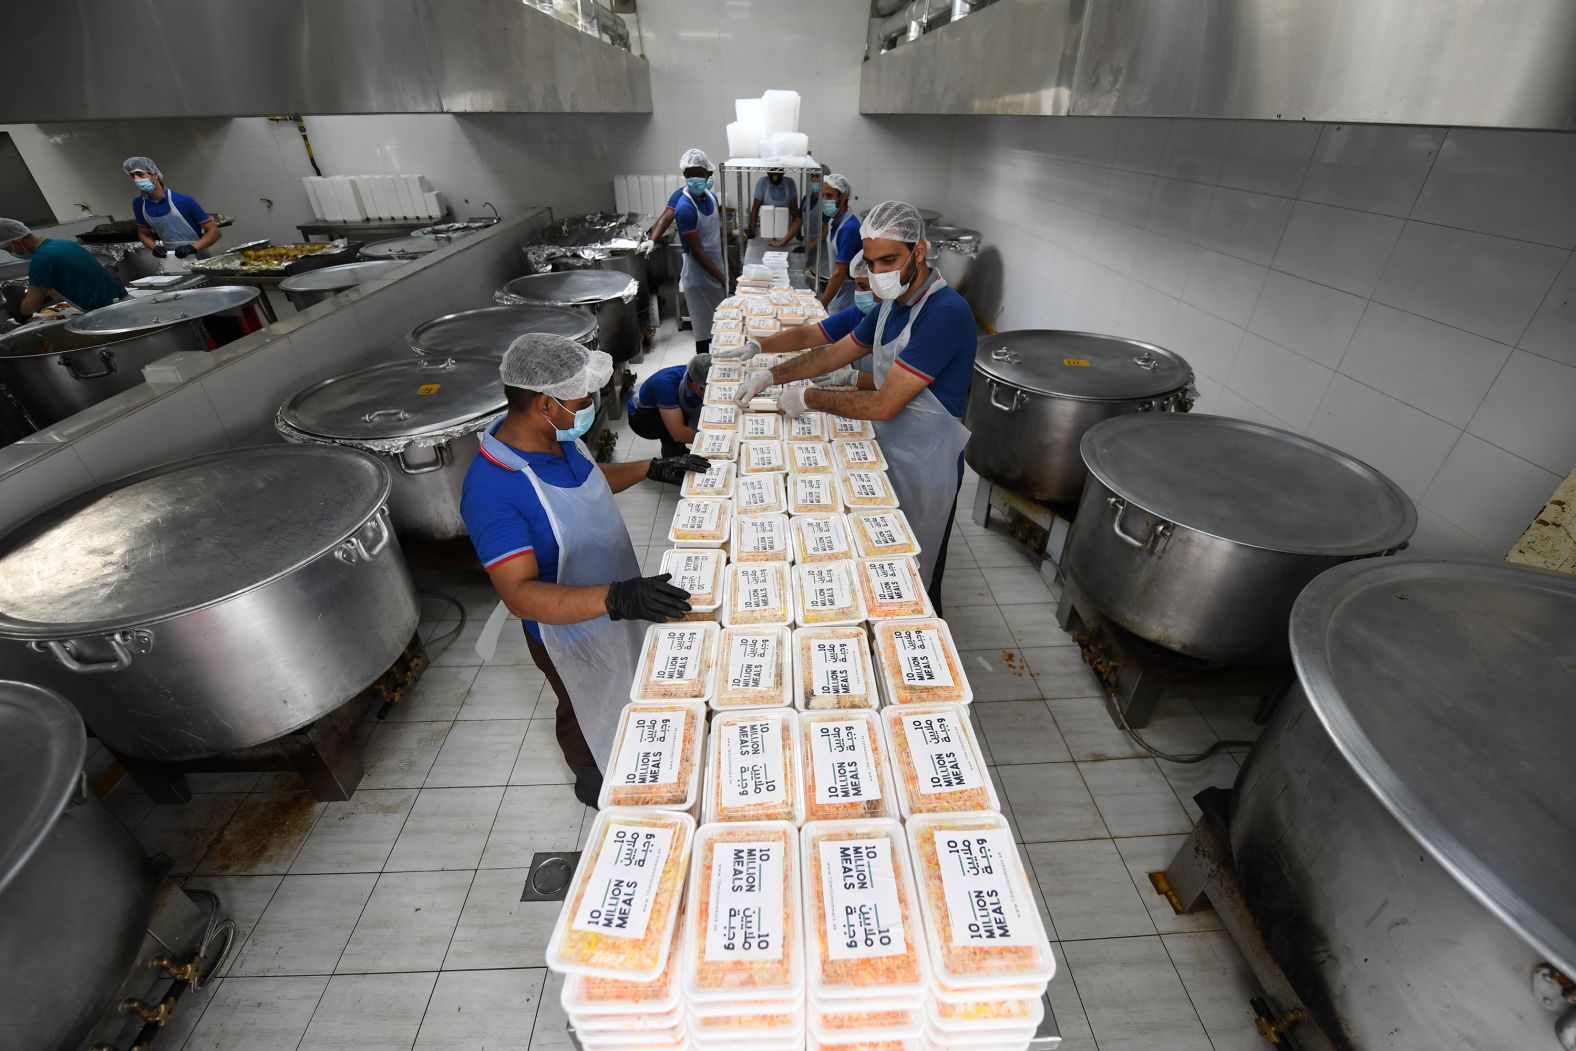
565, 726
934, 591
648, 423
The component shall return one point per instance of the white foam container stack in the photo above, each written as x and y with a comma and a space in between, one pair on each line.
781, 111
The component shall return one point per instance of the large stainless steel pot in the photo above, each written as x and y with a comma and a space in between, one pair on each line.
952, 251
314, 286
489, 330
145, 313
1198, 532
76, 891
213, 603
422, 418
610, 293
56, 372
1403, 830
1036, 392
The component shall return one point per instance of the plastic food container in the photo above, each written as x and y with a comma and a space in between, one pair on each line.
813, 494
821, 538
718, 393
808, 427
841, 1024
759, 306
760, 494
892, 588
700, 522
719, 418
882, 534
866, 490
861, 911
678, 662
718, 481
985, 1016
610, 999
743, 913
727, 340
761, 538
754, 669
759, 595
762, 456
918, 663
832, 669
844, 767
698, 570
760, 425
936, 761
724, 371
757, 327
726, 324
963, 859
826, 594
809, 457
860, 454
655, 763
627, 932
719, 445
846, 430
752, 768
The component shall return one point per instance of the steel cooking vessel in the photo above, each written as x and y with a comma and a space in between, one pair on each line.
142, 313
1036, 391
76, 891
213, 603
422, 418
1402, 830
952, 251
488, 331
610, 293
1197, 532
313, 286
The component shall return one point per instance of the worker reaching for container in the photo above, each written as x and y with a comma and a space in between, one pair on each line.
55, 267
168, 221
541, 516
775, 189
666, 408
840, 244
698, 215
921, 343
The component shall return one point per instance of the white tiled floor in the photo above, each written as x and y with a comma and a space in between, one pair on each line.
394, 920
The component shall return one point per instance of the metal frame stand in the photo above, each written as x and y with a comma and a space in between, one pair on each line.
748, 168
1042, 528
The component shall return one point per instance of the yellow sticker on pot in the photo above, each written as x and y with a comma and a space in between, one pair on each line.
1078, 362
428, 388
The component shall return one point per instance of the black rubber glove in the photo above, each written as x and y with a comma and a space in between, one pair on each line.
674, 468
159, 251
646, 598
182, 251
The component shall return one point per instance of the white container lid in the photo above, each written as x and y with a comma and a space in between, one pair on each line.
811, 457
754, 767
957, 857
759, 494
893, 588
918, 663
882, 533
762, 455
606, 998
996, 1040
844, 767
744, 919
808, 427
760, 426
754, 669
725, 371
760, 594
678, 662
700, 522
846, 430
719, 418
860, 454
821, 538
716, 444
832, 669
885, 1045
718, 393
699, 570
827, 594
717, 481
676, 1038
944, 993
603, 1024
867, 490
656, 759
813, 494
937, 765
646, 852
985, 1015
883, 1023
761, 538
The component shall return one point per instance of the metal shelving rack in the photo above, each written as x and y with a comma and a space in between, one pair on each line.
741, 173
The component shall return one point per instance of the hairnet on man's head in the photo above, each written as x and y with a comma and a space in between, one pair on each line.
694, 159
857, 267
12, 230
555, 366
893, 221
140, 164
698, 369
839, 183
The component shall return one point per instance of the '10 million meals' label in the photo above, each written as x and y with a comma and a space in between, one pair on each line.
763, 456
745, 914
757, 492
753, 661
806, 426
759, 425
810, 456
752, 769
836, 667
844, 764
864, 916
826, 587
884, 530
860, 454
696, 516
717, 443
813, 490
648, 753
922, 657
678, 657
985, 906
759, 589
940, 753
865, 485
623, 883
823, 536
761, 535
890, 581
694, 571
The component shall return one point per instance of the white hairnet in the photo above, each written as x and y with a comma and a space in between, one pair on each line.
554, 365
857, 267
694, 159
839, 183
12, 230
698, 369
893, 221
145, 163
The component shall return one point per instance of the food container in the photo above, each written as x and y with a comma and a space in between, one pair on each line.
858, 1024
724, 372
821, 538
918, 663
845, 769
813, 494
767, 456
745, 926
937, 765
846, 430
761, 538
882, 534
758, 307
808, 427
678, 662
860, 454
815, 1044
832, 669
961, 860
791, 315
727, 340
700, 522
720, 393
655, 763
861, 912
892, 588
753, 766
756, 327
754, 669
719, 418
698, 570
812, 457
609, 999
986, 1017
759, 595
717, 481
826, 594
759, 494
719, 324
676, 1039
627, 933
731, 309
753, 425
716, 444
866, 490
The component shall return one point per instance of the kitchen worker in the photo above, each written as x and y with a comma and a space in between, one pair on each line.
541, 516
808, 222
698, 215
664, 221
167, 221
56, 268
666, 408
921, 341
839, 245
828, 330
774, 190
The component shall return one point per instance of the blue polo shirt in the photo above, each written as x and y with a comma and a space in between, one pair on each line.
502, 512
666, 389
835, 326
687, 213
776, 195
74, 273
145, 206
940, 349
673, 198
846, 242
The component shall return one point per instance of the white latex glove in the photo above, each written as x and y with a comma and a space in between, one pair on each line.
750, 348
847, 376
646, 247
754, 381
791, 401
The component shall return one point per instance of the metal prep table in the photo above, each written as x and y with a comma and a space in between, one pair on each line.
365, 230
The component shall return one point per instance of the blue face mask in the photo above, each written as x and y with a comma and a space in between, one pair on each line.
584, 418
145, 185
698, 185
865, 301
829, 208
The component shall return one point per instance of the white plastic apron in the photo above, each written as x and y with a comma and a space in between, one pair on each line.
922, 444
701, 292
171, 227
827, 263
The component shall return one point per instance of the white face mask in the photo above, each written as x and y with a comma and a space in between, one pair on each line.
890, 284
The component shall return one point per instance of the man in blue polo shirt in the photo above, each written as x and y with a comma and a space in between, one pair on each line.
542, 518
698, 216
840, 245
666, 408
921, 344
56, 268
774, 190
167, 221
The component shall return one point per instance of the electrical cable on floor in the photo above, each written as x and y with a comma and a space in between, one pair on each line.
438, 643
216, 927
1188, 759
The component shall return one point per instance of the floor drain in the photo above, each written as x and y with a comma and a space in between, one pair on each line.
550, 874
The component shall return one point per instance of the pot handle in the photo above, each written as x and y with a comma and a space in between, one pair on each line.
1018, 398
1159, 532
355, 548
70, 365
393, 414
123, 643
444, 459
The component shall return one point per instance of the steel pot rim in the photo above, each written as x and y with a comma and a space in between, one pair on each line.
981, 366
107, 344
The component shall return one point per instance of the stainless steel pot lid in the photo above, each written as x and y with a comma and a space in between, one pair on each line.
1250, 484
408, 247
338, 278
490, 330
570, 288
182, 536
959, 234
1449, 687
399, 399
929, 215
42, 749
166, 308
1083, 366
455, 229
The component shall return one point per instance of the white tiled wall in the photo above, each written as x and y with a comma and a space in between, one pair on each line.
1406, 294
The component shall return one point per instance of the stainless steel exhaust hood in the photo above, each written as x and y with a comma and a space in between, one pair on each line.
122, 59
1489, 63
